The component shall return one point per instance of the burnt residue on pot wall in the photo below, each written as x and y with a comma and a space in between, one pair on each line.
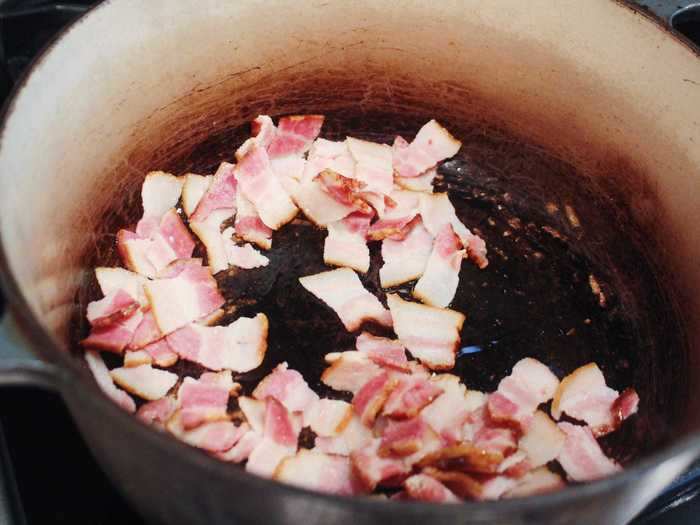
571, 277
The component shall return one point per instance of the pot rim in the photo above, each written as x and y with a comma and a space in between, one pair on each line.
42, 343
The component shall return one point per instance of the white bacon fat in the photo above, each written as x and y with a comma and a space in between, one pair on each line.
438, 284
144, 381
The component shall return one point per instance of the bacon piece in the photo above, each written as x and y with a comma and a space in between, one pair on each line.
463, 485
115, 307
496, 439
279, 440
244, 256
464, 457
430, 334
263, 130
288, 387
342, 291
403, 438
373, 165
581, 456
625, 405
426, 488
438, 284
539, 481
328, 417
294, 135
254, 412
410, 396
249, 226
328, 155
159, 193
132, 250
405, 259
134, 358
530, 384
350, 371
432, 144
239, 346
355, 436
114, 279
204, 400
105, 382
516, 465
193, 190
209, 232
371, 397
584, 395
448, 412
346, 244
318, 471
542, 441
345, 191
157, 412
318, 206
220, 195
186, 297
436, 210
422, 182
161, 354
395, 220
261, 187
175, 233
244, 447
385, 352
144, 381
289, 170
214, 436
146, 332
113, 337
373, 469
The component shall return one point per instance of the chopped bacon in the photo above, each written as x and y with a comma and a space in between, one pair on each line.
157, 412
249, 226
146, 332
423, 182
385, 352
516, 465
625, 405
106, 383
430, 334
113, 279
288, 387
448, 412
373, 165
393, 224
159, 193
161, 353
115, 307
438, 284
350, 371
144, 381
410, 396
239, 346
426, 488
175, 233
465, 457
279, 439
113, 337
134, 358
463, 485
406, 259
354, 436
530, 384
318, 206
403, 438
342, 290
373, 470
244, 447
371, 397
244, 256
220, 195
261, 187
318, 471
328, 155
214, 436
542, 441
203, 400
193, 190
432, 144
538, 481
209, 232
581, 456
346, 244
328, 417
186, 297
436, 210
294, 135
584, 396
496, 439
345, 191
254, 412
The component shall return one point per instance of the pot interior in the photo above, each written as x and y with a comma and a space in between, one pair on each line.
579, 179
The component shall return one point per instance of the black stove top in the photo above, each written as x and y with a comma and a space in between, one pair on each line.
47, 475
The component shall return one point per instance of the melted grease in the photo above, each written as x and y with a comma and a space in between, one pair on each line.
548, 230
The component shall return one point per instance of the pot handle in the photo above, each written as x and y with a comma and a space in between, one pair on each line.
18, 366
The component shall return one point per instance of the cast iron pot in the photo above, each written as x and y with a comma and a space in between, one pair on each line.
135, 86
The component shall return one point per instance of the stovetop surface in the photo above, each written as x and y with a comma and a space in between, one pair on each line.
47, 475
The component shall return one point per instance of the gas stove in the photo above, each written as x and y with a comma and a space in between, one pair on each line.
47, 475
